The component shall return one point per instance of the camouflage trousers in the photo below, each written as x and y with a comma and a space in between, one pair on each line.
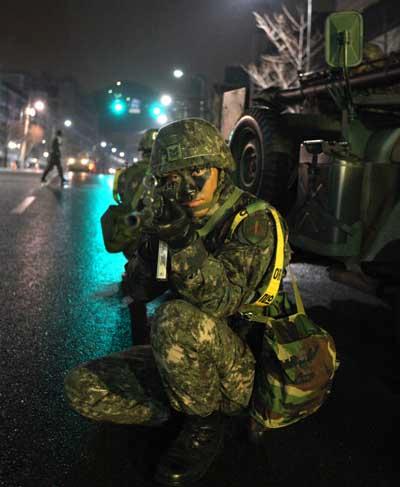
195, 363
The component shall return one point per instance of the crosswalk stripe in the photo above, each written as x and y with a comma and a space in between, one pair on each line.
23, 205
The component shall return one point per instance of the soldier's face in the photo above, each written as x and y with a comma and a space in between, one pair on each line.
197, 188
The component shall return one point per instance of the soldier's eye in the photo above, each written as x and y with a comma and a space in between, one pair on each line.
199, 171
173, 178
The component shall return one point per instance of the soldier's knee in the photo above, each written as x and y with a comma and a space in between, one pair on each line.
175, 312
74, 386
171, 320
180, 322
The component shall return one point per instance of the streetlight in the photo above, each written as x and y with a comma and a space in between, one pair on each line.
103, 144
29, 112
67, 123
166, 100
122, 154
162, 119
178, 73
203, 94
114, 150
39, 105
12, 145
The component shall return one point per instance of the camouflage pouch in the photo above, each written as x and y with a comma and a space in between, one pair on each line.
117, 234
295, 370
294, 373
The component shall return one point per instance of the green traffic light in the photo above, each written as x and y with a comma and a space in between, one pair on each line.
155, 110
118, 107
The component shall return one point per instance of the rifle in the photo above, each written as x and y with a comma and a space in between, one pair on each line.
153, 202
154, 205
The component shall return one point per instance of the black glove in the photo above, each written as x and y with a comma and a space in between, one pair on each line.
174, 226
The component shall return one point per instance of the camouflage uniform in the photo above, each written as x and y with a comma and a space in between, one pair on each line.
130, 178
197, 335
117, 234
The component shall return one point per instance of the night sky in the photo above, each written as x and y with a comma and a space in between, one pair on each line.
100, 41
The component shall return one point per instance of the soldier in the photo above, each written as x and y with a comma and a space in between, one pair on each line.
127, 181
200, 362
117, 234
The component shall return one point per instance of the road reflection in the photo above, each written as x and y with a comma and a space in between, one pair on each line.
100, 324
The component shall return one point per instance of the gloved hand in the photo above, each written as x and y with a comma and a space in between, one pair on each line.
174, 226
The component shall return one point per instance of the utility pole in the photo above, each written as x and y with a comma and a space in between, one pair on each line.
308, 46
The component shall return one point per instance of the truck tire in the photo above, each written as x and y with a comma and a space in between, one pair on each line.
266, 158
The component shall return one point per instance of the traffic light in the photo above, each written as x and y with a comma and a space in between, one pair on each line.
118, 106
156, 110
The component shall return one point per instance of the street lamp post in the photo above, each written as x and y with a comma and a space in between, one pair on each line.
203, 94
30, 111
22, 152
308, 45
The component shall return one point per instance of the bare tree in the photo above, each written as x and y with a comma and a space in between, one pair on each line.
287, 34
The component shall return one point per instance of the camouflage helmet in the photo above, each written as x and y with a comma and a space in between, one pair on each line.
371, 53
188, 143
147, 140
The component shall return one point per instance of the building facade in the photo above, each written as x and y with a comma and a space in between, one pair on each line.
26, 134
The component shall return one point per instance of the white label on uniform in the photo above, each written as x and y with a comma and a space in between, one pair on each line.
162, 261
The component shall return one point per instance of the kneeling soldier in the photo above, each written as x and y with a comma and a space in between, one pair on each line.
199, 362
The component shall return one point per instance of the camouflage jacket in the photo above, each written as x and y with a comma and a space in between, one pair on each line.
214, 274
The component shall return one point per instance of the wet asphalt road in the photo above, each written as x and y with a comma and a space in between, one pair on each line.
59, 307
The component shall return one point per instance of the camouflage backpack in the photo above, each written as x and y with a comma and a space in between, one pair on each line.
298, 361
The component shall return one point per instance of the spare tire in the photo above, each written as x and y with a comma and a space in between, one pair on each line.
266, 157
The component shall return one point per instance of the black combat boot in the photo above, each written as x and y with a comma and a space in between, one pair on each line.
193, 452
256, 432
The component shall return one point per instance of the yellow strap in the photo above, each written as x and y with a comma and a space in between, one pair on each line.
269, 294
271, 291
238, 218
118, 172
249, 210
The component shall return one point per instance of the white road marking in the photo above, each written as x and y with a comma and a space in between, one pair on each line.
24, 205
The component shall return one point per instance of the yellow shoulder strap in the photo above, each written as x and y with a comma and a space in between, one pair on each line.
249, 210
268, 295
118, 172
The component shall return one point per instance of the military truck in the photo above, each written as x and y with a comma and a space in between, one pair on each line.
332, 166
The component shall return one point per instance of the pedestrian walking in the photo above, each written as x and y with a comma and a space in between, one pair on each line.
55, 159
